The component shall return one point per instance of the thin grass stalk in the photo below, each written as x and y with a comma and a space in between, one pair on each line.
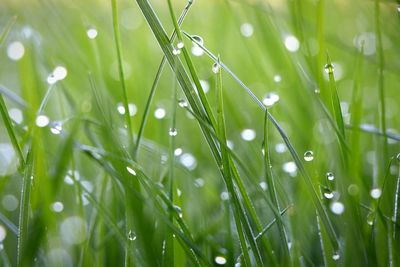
273, 195
155, 83
381, 81
118, 46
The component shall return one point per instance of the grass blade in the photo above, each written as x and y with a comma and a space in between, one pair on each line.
118, 46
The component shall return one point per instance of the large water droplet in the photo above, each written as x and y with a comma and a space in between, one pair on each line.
56, 127
57, 206
188, 160
246, 29
330, 176
248, 134
182, 103
10, 202
15, 51
91, 33
172, 132
376, 193
178, 151
292, 44
131, 235
329, 68
328, 194
16, 115
73, 230
215, 68
308, 155
336, 256
180, 45
176, 51
270, 99
337, 208
220, 260
198, 40
60, 73
42, 121
160, 113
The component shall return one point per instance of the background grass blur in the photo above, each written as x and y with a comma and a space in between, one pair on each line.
279, 50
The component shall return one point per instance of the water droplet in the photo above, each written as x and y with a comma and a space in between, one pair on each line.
197, 39
132, 109
160, 113
178, 151
277, 78
60, 73
91, 33
336, 256
247, 29
230, 144
176, 51
220, 260
57, 206
337, 208
292, 44
330, 176
180, 45
16, 115
3, 233
290, 167
329, 68
398, 157
182, 103
131, 171
280, 148
188, 160
178, 210
56, 127
328, 194
42, 121
270, 99
398, 8
248, 134
263, 186
10, 202
199, 182
15, 51
370, 218
131, 235
317, 91
224, 195
376, 193
215, 68
172, 132
308, 155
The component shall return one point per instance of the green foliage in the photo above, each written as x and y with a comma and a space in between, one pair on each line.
130, 136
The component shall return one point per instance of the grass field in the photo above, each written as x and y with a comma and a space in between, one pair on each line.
200, 133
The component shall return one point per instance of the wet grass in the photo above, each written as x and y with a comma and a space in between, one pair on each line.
271, 140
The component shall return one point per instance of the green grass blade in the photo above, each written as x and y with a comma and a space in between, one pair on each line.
273, 194
118, 46
7, 29
381, 80
155, 83
334, 98
10, 130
